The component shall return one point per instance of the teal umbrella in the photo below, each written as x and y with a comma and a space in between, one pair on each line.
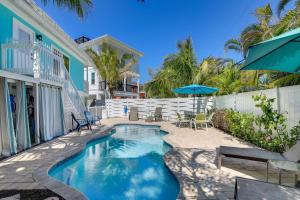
281, 53
195, 89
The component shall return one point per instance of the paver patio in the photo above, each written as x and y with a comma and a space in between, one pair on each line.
192, 161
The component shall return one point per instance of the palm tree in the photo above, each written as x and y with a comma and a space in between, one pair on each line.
177, 70
111, 66
228, 81
253, 33
290, 19
208, 68
283, 3
235, 45
79, 6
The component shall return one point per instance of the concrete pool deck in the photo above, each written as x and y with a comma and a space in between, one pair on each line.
192, 161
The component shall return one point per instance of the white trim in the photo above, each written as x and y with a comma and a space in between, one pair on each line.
29, 79
32, 14
110, 40
9, 80
18, 76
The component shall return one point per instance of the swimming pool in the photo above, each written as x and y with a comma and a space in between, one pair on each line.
127, 164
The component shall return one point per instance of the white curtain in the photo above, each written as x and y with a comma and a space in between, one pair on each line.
8, 145
51, 112
22, 127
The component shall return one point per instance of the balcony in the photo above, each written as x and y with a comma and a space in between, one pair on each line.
38, 62
33, 60
122, 90
131, 88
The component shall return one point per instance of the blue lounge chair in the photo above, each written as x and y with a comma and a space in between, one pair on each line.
90, 118
80, 123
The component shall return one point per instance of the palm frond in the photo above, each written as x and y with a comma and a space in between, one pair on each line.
281, 5
79, 6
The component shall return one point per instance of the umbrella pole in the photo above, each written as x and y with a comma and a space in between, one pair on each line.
194, 102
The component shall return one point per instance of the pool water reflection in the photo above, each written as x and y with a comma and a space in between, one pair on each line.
128, 164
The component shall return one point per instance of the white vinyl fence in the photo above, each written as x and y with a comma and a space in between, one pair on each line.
287, 101
115, 107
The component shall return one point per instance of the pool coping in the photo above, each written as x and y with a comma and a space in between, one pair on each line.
42, 176
67, 192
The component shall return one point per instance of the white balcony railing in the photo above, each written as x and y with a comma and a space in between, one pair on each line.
38, 61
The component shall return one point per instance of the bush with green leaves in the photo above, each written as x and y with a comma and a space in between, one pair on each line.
241, 124
268, 130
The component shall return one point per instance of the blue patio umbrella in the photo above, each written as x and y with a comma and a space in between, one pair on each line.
195, 89
281, 53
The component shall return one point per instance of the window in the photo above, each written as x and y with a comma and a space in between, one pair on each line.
93, 78
23, 56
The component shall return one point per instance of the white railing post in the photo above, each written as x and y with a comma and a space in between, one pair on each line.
36, 61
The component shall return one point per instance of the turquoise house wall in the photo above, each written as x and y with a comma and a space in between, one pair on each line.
6, 33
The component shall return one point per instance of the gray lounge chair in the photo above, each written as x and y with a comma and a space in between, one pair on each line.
260, 155
158, 114
248, 189
133, 114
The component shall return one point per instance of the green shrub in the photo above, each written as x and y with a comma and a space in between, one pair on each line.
240, 124
268, 130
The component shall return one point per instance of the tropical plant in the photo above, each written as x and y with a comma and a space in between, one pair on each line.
253, 33
241, 124
207, 68
177, 70
220, 72
265, 28
267, 130
111, 66
228, 81
79, 6
272, 124
283, 3
286, 80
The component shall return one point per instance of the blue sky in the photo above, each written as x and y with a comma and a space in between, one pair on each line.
154, 27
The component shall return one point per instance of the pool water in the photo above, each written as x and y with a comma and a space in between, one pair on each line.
127, 164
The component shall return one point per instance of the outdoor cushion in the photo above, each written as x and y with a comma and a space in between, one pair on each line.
248, 189
250, 153
133, 114
293, 154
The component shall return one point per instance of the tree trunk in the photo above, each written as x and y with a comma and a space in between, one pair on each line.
111, 90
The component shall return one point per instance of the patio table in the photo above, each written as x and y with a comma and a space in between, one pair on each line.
284, 165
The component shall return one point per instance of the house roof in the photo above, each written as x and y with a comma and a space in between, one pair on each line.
111, 40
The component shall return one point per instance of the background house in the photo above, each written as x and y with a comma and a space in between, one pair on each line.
129, 87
